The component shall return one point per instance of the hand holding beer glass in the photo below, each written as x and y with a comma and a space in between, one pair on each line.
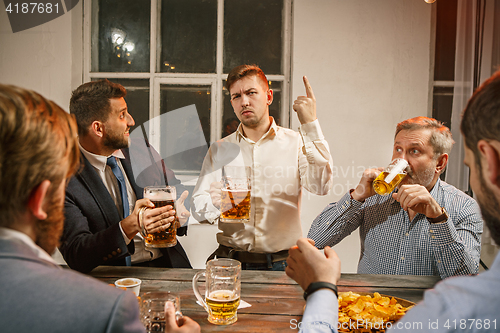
235, 195
222, 290
388, 179
166, 234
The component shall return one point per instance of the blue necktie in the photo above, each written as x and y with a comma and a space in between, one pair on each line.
123, 191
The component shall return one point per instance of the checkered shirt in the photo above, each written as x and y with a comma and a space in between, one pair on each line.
392, 244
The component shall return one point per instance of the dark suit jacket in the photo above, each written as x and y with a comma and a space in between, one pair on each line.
92, 235
39, 296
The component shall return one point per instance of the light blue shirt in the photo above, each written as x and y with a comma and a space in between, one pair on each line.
457, 304
321, 314
392, 244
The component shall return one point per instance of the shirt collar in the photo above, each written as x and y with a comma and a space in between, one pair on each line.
273, 129
22, 238
99, 161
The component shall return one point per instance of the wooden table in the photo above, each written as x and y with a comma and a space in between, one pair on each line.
277, 303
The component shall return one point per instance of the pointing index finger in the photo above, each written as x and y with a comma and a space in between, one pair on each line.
309, 91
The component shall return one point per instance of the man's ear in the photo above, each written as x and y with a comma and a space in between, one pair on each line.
37, 198
270, 96
441, 162
97, 128
490, 160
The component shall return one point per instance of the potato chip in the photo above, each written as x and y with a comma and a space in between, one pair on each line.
366, 313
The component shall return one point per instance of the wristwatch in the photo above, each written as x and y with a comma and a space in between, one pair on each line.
441, 218
319, 285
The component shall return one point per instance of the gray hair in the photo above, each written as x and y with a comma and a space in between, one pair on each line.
440, 140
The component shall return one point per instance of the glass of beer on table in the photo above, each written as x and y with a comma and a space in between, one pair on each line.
388, 179
161, 196
222, 290
235, 196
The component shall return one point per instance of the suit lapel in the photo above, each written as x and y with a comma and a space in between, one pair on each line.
99, 192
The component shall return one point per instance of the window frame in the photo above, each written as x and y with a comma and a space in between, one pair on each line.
156, 77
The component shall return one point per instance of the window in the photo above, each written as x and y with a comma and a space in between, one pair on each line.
444, 60
175, 55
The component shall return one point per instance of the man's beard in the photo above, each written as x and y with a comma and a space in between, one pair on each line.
490, 210
48, 232
423, 178
115, 141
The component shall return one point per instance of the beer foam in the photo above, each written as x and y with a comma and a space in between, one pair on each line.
159, 196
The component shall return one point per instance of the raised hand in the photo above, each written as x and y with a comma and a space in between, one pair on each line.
182, 213
305, 106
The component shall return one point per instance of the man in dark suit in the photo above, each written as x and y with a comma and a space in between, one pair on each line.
101, 226
38, 153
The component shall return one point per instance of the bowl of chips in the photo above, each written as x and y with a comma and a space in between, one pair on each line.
369, 312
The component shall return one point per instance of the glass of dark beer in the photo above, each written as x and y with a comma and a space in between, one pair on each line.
161, 196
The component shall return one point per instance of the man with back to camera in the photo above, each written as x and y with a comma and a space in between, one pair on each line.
100, 227
457, 304
38, 153
425, 227
282, 161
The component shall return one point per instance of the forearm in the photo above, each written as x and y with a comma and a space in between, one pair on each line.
456, 249
83, 249
315, 162
336, 221
321, 313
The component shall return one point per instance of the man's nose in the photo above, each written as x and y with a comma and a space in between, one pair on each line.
130, 120
245, 100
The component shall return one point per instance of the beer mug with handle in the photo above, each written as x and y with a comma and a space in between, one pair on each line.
222, 292
235, 196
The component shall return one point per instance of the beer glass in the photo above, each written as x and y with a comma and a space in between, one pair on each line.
161, 196
388, 179
235, 196
152, 309
222, 291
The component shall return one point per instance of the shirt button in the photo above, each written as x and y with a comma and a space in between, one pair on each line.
431, 231
344, 206
407, 234
402, 258
439, 261
433, 237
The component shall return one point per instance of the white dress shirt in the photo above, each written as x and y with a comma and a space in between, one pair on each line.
282, 161
111, 183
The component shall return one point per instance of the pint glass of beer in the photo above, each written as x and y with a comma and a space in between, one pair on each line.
235, 196
387, 181
222, 290
161, 196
